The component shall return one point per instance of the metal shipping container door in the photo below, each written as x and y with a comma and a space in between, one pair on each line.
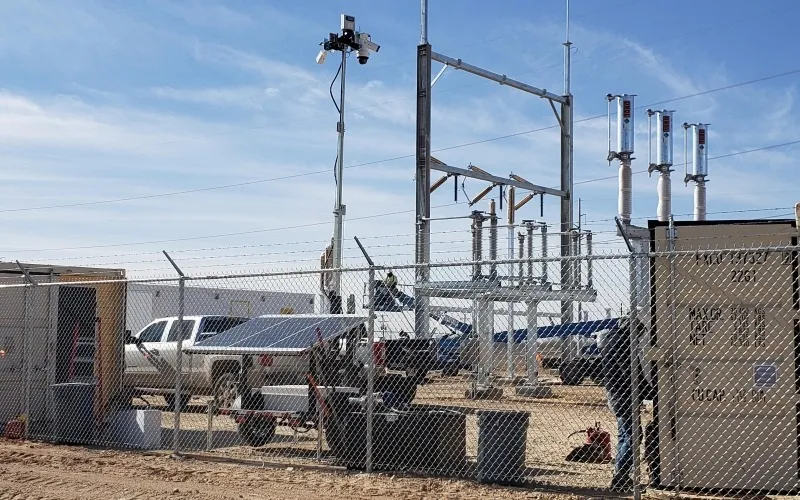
40, 351
727, 333
12, 360
25, 370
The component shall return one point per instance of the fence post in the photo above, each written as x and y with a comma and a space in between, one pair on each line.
371, 367
178, 360
27, 357
370, 409
675, 472
27, 352
634, 354
635, 250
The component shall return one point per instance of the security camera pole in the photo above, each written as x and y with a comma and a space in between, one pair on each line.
349, 40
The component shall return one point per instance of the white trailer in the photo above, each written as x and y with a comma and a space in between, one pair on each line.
146, 302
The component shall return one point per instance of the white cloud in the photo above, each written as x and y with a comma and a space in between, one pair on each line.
269, 69
241, 114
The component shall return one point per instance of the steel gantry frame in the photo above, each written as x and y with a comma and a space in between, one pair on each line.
424, 162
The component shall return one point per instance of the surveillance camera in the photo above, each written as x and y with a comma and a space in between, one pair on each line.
323, 54
348, 23
365, 46
363, 55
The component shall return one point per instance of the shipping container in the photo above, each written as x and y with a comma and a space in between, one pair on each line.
56, 333
724, 338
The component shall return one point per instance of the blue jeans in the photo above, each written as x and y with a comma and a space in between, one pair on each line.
623, 462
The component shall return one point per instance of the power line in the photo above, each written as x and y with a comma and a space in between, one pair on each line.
261, 245
727, 155
396, 158
241, 233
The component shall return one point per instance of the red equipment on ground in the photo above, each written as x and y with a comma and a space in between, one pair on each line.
596, 448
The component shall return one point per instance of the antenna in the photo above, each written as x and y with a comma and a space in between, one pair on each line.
567, 56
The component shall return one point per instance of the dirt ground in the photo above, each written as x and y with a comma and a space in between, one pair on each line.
220, 465
556, 426
47, 472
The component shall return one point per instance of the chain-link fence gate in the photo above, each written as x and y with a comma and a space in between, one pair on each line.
689, 354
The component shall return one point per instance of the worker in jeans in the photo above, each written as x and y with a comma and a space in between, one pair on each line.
616, 366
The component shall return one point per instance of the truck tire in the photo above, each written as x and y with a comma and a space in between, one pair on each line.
258, 431
226, 389
404, 389
572, 373
334, 422
596, 372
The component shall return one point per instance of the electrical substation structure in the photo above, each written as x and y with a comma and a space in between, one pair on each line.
485, 292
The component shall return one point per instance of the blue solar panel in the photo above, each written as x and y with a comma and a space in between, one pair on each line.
278, 334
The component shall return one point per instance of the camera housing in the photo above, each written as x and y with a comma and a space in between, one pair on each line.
363, 55
348, 23
365, 46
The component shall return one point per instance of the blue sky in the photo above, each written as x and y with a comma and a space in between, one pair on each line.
109, 100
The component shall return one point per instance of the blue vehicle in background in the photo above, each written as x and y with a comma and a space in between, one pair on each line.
573, 348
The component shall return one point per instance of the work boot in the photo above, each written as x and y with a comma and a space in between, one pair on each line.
621, 485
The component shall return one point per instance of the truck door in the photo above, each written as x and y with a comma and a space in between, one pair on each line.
169, 353
139, 368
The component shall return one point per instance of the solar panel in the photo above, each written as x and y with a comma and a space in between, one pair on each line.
277, 334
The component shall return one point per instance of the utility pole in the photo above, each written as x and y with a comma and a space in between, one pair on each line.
349, 40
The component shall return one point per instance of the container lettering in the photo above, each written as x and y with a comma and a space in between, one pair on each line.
701, 321
743, 275
756, 257
717, 395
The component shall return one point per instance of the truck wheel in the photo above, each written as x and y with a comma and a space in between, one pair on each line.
572, 373
596, 372
226, 390
334, 423
403, 388
258, 431
170, 399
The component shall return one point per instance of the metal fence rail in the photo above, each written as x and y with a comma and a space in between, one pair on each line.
679, 372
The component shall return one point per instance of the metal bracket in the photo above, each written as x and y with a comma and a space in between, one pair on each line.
364, 251
177, 269
479, 174
659, 168
624, 234
26, 273
558, 117
672, 232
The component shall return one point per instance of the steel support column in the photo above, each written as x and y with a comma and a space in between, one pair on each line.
423, 176
566, 205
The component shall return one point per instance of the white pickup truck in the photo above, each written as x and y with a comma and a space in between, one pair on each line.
151, 360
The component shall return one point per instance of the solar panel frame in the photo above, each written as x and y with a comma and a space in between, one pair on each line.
277, 334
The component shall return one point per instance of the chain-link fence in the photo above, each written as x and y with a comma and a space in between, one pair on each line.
674, 370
